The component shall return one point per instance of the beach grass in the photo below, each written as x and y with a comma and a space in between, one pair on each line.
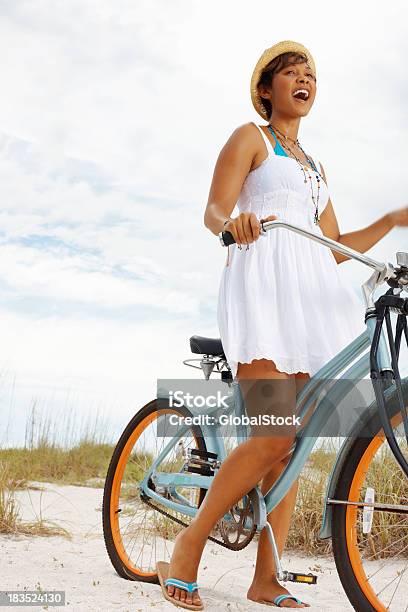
84, 464
307, 517
10, 520
45, 459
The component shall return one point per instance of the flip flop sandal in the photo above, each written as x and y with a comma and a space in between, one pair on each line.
279, 598
163, 571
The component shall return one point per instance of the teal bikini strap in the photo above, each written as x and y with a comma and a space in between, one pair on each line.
279, 150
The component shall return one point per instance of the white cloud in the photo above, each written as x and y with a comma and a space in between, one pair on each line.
111, 120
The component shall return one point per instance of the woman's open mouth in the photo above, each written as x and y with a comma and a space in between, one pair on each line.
301, 95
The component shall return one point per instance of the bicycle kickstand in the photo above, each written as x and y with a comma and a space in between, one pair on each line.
282, 574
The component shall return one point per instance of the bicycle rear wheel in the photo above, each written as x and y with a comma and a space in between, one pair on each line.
136, 535
370, 545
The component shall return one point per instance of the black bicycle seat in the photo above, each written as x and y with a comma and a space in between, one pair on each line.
206, 346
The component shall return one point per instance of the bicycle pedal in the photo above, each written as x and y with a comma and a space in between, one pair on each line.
299, 577
202, 454
203, 471
201, 462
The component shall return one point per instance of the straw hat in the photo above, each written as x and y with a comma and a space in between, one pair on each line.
267, 56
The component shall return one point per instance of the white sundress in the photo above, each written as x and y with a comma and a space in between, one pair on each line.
283, 299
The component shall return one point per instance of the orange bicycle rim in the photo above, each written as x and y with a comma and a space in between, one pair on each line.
115, 493
351, 517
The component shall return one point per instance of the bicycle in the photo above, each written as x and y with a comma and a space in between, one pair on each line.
156, 483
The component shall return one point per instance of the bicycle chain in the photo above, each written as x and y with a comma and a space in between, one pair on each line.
180, 522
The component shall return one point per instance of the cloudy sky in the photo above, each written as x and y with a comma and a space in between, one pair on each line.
112, 115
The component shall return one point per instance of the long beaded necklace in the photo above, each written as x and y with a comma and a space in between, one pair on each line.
303, 167
284, 141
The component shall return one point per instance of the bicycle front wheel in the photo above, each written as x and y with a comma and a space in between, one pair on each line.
370, 544
137, 535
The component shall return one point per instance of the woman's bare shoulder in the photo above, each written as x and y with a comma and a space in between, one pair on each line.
246, 137
243, 142
247, 131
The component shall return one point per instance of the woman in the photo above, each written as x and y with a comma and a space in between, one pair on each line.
279, 302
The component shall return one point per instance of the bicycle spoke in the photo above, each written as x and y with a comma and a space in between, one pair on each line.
143, 532
390, 546
390, 582
395, 590
378, 570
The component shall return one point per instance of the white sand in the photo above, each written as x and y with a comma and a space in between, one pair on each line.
82, 567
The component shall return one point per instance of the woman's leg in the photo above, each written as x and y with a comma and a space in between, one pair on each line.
265, 586
251, 460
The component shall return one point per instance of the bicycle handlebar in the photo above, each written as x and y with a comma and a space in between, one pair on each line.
383, 272
227, 238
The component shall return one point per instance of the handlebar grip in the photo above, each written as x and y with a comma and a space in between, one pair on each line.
228, 238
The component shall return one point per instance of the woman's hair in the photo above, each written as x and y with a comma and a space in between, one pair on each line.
278, 63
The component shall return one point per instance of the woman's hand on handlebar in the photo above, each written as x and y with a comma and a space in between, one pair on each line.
246, 228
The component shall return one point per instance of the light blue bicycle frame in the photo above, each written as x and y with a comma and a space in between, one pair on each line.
308, 435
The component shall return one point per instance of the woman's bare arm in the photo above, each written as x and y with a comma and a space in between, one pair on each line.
360, 240
233, 165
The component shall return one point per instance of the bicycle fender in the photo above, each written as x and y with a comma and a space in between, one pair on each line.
326, 526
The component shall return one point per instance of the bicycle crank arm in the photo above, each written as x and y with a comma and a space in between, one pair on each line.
282, 574
376, 506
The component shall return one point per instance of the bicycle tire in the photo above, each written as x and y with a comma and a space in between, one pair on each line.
124, 568
344, 539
